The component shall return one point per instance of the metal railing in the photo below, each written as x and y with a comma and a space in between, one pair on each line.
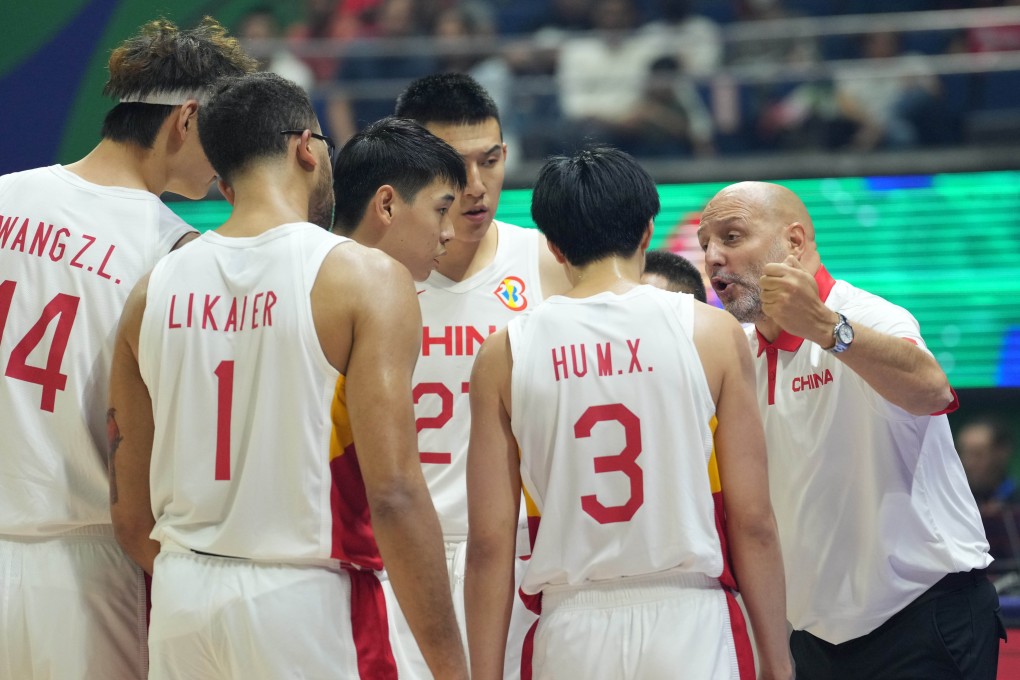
801, 163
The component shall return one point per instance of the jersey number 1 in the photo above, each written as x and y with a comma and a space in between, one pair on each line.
625, 461
224, 405
62, 307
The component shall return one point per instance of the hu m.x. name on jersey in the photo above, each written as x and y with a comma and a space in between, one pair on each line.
614, 420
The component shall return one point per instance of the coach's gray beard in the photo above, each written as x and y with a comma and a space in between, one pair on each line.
747, 307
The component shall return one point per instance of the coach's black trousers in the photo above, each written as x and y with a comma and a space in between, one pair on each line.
951, 632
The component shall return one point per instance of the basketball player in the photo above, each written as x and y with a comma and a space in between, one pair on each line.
672, 272
394, 184
246, 368
623, 412
492, 271
74, 239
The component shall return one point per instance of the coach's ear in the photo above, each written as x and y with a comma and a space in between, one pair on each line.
556, 252
796, 237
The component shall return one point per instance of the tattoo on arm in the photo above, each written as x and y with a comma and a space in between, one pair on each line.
114, 437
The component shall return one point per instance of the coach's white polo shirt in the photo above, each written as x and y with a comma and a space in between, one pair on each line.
872, 503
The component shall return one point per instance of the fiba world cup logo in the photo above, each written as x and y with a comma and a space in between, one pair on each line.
511, 293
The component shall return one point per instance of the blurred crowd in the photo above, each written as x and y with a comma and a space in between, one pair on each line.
660, 78
986, 447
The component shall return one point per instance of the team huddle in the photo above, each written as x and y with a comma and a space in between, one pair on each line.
363, 429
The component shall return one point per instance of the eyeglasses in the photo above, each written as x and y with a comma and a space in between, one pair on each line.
330, 144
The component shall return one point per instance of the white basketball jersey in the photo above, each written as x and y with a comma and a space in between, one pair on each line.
70, 252
613, 416
248, 460
456, 319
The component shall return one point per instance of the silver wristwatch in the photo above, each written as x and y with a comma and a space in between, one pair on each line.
843, 334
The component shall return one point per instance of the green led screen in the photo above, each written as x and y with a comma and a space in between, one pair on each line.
946, 247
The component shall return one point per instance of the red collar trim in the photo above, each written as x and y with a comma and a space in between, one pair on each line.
825, 282
791, 343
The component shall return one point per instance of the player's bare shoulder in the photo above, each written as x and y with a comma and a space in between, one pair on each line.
493, 367
356, 287
721, 343
711, 323
495, 352
362, 275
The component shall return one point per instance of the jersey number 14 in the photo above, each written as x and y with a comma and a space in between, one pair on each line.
63, 308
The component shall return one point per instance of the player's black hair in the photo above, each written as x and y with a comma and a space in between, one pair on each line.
243, 119
594, 204
394, 151
682, 275
446, 98
163, 58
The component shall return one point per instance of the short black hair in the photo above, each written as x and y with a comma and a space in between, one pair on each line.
394, 151
163, 58
594, 204
242, 121
682, 275
450, 98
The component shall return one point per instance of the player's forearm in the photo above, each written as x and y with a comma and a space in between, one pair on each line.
407, 531
133, 536
758, 566
130, 441
144, 554
488, 600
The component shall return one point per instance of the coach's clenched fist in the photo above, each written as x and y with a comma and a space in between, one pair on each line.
789, 296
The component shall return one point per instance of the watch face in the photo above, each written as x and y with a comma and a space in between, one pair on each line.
845, 333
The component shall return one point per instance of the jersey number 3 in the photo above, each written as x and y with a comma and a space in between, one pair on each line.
62, 307
625, 461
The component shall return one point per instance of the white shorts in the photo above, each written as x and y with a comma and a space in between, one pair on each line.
71, 607
411, 663
217, 617
668, 626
